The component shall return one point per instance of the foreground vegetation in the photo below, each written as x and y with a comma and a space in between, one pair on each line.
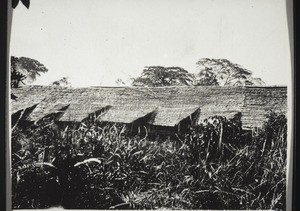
215, 166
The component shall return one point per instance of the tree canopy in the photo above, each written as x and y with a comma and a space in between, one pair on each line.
25, 70
61, 82
222, 72
212, 72
154, 76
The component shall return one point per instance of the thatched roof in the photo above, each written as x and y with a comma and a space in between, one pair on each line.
170, 104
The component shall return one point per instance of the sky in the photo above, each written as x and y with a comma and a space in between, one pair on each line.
95, 42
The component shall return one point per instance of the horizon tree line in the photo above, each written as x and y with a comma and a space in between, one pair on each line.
212, 72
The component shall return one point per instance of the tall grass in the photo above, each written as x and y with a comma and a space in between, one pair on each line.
214, 166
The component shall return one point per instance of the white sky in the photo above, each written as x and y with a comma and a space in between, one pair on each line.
94, 42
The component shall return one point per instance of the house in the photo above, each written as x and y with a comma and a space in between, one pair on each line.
156, 109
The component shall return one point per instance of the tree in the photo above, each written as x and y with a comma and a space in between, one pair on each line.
222, 72
16, 77
62, 82
206, 78
120, 82
153, 76
25, 70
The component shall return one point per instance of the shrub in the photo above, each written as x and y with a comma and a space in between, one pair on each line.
214, 166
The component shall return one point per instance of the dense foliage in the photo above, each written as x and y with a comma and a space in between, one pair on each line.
214, 166
163, 76
25, 70
223, 72
212, 72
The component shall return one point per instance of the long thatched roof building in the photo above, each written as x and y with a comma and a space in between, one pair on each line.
160, 106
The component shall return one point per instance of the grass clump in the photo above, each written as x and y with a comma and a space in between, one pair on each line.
216, 165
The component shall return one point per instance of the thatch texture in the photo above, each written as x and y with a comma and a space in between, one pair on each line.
172, 116
259, 100
28, 96
171, 104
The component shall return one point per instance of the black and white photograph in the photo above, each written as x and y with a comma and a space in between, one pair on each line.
160, 105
